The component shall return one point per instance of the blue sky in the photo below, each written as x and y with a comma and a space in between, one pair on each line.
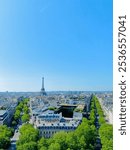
69, 42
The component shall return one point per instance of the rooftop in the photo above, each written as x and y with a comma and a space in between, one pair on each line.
2, 112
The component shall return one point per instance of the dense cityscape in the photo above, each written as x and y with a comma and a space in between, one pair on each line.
60, 120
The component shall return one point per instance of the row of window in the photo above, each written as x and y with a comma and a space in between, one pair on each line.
48, 134
49, 116
58, 127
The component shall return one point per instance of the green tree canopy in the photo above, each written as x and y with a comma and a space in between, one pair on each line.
28, 137
25, 117
5, 135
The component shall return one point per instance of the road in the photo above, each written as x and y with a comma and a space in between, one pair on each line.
15, 138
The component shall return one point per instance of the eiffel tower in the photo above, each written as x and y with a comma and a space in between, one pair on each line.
43, 89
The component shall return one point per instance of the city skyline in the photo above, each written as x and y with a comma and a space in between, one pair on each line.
69, 42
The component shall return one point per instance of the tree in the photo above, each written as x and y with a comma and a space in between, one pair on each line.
25, 109
14, 123
52, 108
5, 134
26, 100
28, 146
25, 117
55, 146
43, 148
28, 137
20, 106
92, 116
17, 114
87, 132
60, 138
106, 134
42, 143
72, 141
4, 141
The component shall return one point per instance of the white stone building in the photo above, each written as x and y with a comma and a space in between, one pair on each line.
49, 123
